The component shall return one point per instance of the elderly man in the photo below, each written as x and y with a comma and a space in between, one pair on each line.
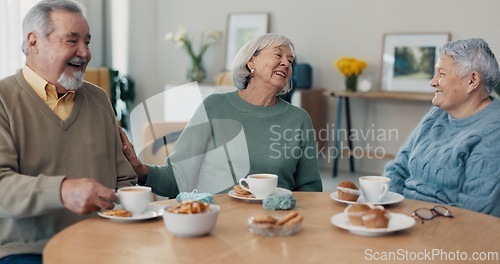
60, 149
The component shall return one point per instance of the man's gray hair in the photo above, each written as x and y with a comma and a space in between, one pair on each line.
38, 18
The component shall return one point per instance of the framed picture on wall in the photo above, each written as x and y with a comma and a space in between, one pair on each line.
408, 61
241, 27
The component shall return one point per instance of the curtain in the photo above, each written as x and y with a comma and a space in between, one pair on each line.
11, 15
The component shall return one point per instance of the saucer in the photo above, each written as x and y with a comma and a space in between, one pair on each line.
397, 222
390, 198
152, 211
278, 191
335, 196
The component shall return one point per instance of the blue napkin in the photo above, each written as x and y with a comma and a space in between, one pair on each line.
279, 202
195, 196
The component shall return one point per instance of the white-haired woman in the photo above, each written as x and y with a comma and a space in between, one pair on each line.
238, 133
453, 156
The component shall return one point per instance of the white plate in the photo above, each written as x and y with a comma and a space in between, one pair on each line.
153, 210
390, 198
335, 196
279, 191
397, 222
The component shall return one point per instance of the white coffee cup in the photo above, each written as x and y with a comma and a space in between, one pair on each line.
261, 185
135, 199
374, 188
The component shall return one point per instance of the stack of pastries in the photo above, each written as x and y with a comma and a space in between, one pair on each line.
367, 215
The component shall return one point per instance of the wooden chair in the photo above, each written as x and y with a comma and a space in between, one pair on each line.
159, 140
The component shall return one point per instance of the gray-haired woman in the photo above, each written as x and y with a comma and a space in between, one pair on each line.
238, 133
452, 157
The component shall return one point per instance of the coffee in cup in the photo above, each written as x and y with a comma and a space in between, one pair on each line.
135, 199
261, 185
374, 188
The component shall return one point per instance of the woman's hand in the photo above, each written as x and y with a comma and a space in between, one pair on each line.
129, 152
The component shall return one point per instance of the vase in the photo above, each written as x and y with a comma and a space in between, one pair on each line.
351, 83
196, 72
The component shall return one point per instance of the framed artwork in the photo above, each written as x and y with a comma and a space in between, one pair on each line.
241, 27
408, 61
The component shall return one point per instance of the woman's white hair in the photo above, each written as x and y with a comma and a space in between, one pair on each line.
241, 73
473, 55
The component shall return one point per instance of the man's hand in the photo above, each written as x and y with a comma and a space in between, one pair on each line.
86, 195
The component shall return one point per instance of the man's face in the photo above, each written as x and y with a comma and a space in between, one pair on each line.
62, 57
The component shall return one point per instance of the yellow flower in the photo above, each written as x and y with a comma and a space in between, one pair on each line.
349, 66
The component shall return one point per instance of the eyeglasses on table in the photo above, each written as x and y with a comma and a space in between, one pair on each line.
428, 214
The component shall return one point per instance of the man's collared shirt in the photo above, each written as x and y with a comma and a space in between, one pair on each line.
62, 106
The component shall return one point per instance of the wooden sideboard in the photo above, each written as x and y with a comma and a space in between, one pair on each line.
99, 76
314, 102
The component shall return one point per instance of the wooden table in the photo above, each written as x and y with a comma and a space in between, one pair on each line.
99, 240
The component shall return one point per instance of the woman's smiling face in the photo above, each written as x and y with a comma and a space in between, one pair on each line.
451, 89
273, 66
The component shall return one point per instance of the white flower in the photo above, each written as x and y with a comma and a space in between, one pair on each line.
181, 30
182, 40
212, 37
169, 36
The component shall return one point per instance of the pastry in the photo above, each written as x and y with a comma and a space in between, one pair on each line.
241, 192
264, 219
348, 191
293, 221
375, 218
288, 217
355, 212
190, 207
271, 226
118, 212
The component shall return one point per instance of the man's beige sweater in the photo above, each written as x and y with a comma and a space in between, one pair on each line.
38, 150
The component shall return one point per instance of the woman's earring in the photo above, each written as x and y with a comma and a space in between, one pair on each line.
251, 72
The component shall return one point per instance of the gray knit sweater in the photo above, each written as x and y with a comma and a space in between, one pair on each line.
452, 161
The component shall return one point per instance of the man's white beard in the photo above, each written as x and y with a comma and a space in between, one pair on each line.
71, 82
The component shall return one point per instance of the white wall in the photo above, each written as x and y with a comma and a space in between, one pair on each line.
95, 17
322, 30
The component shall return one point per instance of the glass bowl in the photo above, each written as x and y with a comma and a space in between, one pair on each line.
272, 230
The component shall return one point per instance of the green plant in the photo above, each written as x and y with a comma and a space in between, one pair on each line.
122, 97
